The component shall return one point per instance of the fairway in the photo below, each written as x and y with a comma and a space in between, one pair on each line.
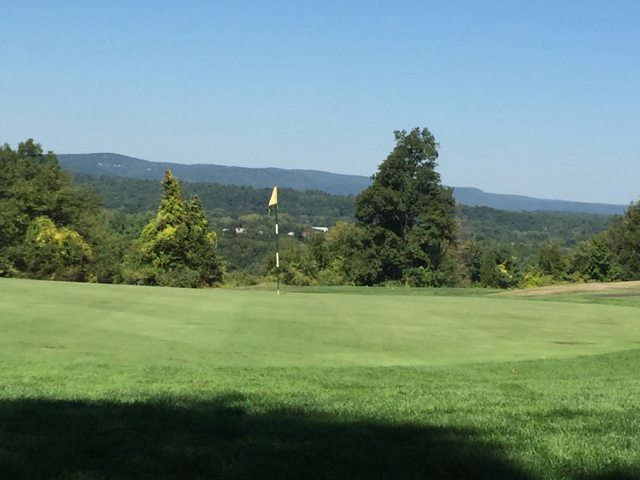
115, 382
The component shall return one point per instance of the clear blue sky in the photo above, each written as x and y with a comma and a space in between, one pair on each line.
539, 98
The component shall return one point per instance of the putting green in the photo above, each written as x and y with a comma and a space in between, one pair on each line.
55, 321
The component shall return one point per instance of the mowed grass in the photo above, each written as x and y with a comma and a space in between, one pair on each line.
115, 382
59, 322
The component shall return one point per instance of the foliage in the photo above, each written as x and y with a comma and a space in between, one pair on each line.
551, 260
229, 207
407, 214
297, 265
534, 277
340, 255
591, 259
309, 206
529, 228
405, 235
245, 250
470, 262
48, 228
176, 248
240, 278
499, 268
56, 254
312, 207
625, 243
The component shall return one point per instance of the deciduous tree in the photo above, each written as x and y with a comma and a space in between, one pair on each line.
408, 215
551, 260
48, 228
625, 243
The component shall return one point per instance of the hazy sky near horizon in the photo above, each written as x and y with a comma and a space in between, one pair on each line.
538, 98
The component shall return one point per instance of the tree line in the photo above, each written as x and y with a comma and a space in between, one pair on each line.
406, 233
51, 229
229, 207
405, 229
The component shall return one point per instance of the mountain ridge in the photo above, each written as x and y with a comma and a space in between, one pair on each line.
112, 164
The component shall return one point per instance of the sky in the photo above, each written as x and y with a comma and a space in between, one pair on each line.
537, 98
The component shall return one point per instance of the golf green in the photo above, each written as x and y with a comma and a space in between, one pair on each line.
66, 321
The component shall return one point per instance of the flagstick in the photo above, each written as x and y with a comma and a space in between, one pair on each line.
273, 202
277, 256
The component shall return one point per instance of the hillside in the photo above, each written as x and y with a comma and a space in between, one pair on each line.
477, 198
132, 195
120, 165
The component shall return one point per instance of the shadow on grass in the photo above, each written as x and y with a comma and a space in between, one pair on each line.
177, 439
44, 439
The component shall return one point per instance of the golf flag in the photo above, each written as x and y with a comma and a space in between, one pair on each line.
273, 203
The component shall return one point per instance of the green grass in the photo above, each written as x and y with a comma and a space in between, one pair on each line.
114, 382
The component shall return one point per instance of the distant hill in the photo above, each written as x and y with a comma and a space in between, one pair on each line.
517, 203
120, 165
134, 195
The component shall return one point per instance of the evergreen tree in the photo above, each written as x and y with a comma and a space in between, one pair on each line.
409, 216
175, 248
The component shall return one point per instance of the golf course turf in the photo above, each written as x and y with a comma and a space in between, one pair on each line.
119, 382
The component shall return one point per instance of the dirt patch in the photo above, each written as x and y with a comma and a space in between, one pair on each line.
577, 287
616, 295
574, 343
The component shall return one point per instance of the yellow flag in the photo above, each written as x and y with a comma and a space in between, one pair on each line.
273, 203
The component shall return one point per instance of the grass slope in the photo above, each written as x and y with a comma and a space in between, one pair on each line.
114, 382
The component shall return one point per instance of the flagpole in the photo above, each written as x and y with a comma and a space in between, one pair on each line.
277, 256
273, 205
